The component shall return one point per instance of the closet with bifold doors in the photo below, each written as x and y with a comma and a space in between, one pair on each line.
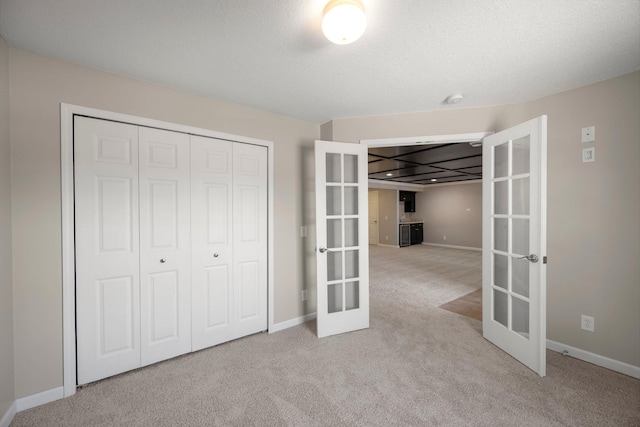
171, 244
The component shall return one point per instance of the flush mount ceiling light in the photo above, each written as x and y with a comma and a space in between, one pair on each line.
343, 21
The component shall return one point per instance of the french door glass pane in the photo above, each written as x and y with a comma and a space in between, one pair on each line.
334, 233
334, 266
335, 297
350, 168
520, 316
520, 277
501, 163
334, 173
351, 270
520, 236
351, 200
334, 200
520, 155
500, 307
352, 295
351, 232
501, 234
500, 265
501, 197
520, 196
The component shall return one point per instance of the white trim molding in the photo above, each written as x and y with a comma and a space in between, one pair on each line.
596, 359
425, 140
38, 399
293, 322
67, 112
6, 419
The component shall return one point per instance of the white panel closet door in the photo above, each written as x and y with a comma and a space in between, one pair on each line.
212, 224
107, 252
229, 238
165, 245
250, 237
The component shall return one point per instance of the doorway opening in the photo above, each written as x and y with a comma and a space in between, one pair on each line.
442, 177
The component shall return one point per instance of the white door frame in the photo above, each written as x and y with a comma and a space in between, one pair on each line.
67, 112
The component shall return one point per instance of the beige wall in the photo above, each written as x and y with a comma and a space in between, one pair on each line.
454, 211
594, 217
7, 394
38, 86
593, 209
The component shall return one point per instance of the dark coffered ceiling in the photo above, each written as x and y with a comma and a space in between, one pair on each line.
422, 164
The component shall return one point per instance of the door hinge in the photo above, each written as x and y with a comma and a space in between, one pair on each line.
544, 259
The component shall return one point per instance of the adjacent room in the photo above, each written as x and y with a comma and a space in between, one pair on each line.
184, 192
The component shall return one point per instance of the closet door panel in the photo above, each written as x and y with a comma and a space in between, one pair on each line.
212, 220
250, 237
107, 251
165, 245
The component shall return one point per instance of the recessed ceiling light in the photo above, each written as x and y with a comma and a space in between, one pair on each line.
389, 174
433, 180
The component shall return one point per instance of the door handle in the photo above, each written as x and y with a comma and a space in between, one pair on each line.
163, 260
533, 258
215, 255
322, 249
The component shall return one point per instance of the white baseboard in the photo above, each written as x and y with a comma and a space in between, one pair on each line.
388, 246
41, 398
596, 359
8, 416
293, 322
453, 246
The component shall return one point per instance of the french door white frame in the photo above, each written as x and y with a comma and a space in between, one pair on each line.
67, 112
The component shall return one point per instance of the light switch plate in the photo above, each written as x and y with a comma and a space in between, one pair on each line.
588, 155
589, 134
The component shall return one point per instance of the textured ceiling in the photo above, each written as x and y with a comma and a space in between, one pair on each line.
271, 54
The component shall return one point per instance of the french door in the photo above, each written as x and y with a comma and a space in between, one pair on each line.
514, 242
342, 237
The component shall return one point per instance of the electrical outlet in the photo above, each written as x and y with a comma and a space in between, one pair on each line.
444, 237
588, 323
386, 237
305, 294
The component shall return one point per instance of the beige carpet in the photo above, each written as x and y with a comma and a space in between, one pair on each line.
417, 365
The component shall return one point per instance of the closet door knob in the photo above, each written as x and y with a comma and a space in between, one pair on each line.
215, 255
163, 260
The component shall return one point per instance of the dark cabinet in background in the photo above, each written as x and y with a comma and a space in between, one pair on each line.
409, 199
417, 234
